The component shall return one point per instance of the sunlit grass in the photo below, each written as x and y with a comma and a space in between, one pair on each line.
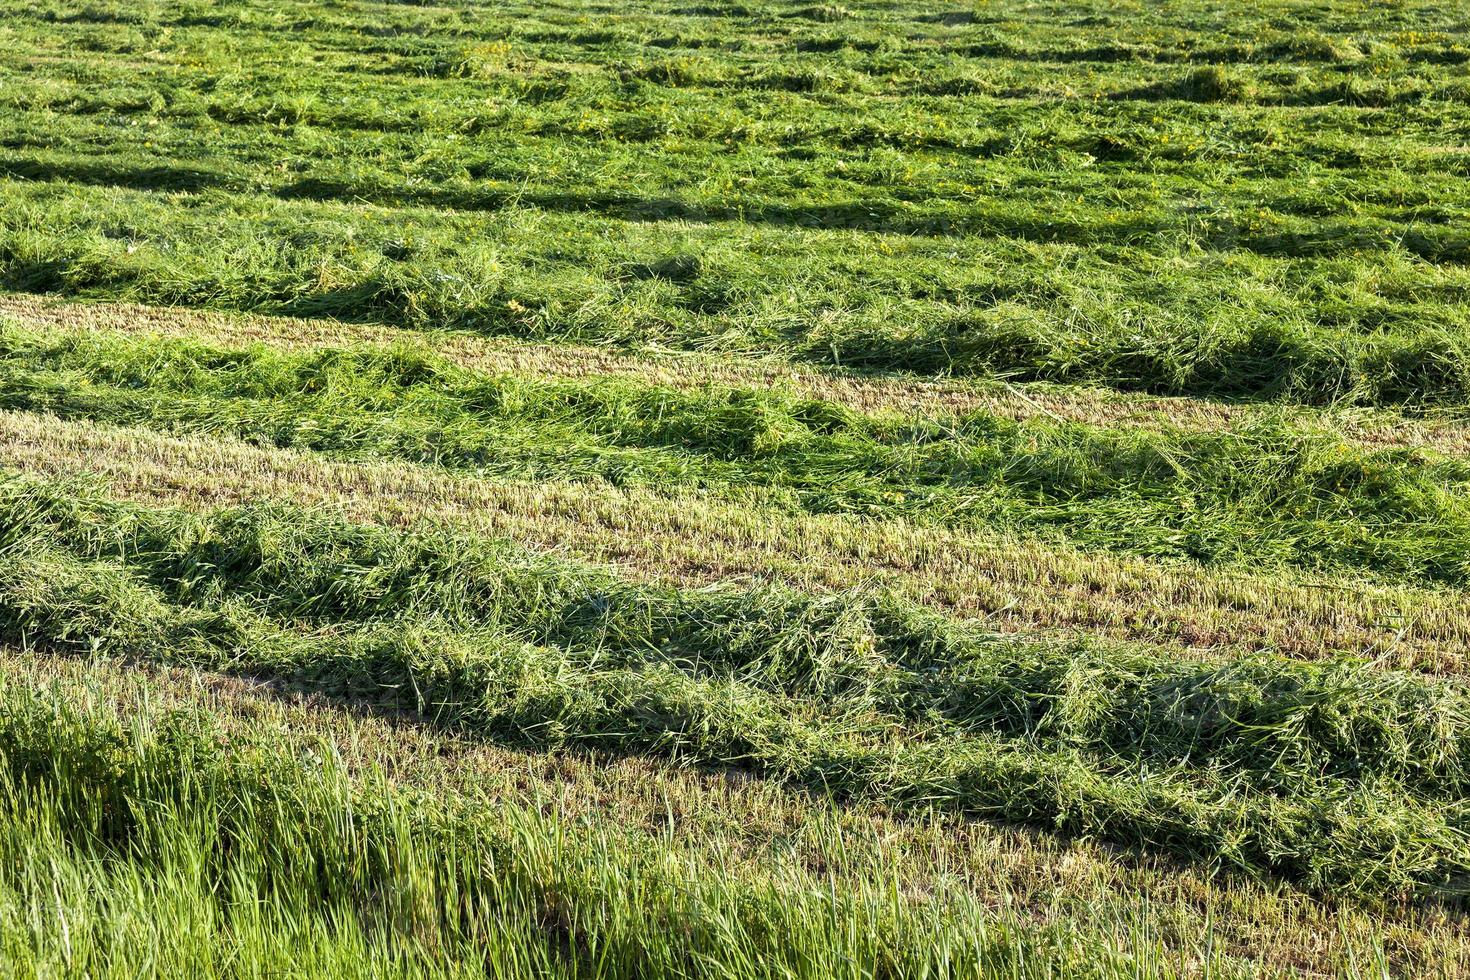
734, 490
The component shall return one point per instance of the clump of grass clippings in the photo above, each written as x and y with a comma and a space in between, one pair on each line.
1215, 83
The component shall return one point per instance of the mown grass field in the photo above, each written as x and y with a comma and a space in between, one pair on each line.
735, 489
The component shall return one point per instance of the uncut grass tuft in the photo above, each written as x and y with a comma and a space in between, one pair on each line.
222, 857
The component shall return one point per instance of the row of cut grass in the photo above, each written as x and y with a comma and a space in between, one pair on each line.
865, 652
692, 541
1261, 205
1267, 493
938, 398
1224, 327
885, 703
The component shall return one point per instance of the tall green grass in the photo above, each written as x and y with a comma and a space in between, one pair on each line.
1268, 492
155, 845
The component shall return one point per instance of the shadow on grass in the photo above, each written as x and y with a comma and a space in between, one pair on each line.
883, 216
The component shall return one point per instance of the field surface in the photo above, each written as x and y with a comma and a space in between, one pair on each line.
735, 489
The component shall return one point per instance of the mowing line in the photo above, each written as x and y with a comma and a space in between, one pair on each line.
928, 397
1014, 585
